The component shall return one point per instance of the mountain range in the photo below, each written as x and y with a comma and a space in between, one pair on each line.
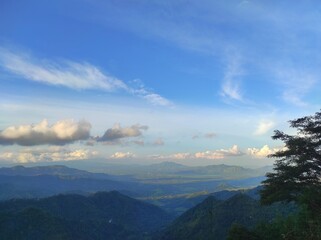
79, 206
42, 181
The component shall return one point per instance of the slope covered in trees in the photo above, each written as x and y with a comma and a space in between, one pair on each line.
99, 216
212, 218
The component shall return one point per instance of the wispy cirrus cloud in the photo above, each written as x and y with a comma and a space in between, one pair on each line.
266, 33
70, 74
231, 89
74, 75
60, 133
157, 99
296, 84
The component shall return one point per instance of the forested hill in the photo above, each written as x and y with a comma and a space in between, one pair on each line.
213, 218
104, 215
54, 170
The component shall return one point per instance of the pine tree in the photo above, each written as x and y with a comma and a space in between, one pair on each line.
297, 170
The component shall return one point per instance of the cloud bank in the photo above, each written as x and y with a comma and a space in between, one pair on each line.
53, 154
234, 151
60, 133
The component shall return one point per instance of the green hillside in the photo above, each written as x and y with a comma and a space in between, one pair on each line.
212, 218
100, 216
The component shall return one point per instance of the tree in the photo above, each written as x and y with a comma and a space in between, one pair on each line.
297, 170
239, 232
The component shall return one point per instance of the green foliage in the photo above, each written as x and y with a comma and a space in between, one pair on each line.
32, 224
299, 226
297, 170
100, 216
212, 218
239, 232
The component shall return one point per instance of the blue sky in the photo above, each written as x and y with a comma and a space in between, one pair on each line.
197, 82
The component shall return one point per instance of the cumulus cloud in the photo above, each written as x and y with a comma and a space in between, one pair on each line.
60, 133
74, 75
263, 152
234, 151
121, 155
47, 155
117, 132
263, 127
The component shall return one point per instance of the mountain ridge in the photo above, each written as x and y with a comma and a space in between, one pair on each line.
103, 215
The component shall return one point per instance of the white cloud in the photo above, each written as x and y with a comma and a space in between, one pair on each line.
117, 132
66, 73
121, 155
47, 155
210, 155
141, 91
231, 86
74, 75
60, 133
263, 152
156, 99
181, 156
231, 90
263, 127
220, 154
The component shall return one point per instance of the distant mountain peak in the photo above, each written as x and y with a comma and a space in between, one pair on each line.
168, 164
18, 167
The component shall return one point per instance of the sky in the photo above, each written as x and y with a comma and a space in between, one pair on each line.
144, 81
